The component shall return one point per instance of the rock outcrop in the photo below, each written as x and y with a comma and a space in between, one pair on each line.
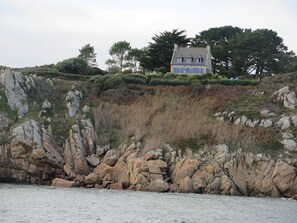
14, 85
69, 156
31, 156
287, 97
72, 101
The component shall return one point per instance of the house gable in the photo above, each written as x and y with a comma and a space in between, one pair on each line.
191, 60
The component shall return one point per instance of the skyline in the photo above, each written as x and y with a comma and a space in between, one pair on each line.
35, 33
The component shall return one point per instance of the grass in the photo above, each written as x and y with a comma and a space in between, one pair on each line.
177, 117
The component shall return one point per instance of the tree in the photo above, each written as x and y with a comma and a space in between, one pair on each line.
219, 40
87, 52
159, 52
238, 51
258, 51
133, 58
119, 51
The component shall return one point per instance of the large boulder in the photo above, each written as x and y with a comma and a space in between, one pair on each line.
157, 186
32, 152
284, 177
92, 178
184, 168
222, 152
58, 182
287, 97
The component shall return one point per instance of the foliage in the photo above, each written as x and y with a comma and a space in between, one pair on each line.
87, 52
156, 81
119, 52
238, 51
94, 71
74, 65
162, 70
219, 40
135, 79
228, 82
159, 52
4, 106
106, 82
133, 59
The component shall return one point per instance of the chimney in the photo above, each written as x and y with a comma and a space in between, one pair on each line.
175, 46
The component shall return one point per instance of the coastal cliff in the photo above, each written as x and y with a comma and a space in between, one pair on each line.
230, 140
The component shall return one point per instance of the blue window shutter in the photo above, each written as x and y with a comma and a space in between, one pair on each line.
174, 70
201, 70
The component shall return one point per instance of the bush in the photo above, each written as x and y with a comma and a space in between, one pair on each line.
4, 106
74, 65
162, 70
204, 76
152, 76
95, 71
170, 75
156, 81
228, 82
106, 82
135, 79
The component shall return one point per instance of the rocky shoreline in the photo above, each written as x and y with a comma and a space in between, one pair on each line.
30, 154
32, 157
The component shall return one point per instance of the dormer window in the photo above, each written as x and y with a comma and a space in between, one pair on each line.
179, 59
188, 59
199, 60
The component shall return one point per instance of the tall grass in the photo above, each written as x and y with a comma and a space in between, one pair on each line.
169, 117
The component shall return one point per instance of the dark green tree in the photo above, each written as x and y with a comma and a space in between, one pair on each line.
258, 52
87, 52
159, 52
219, 40
119, 52
133, 58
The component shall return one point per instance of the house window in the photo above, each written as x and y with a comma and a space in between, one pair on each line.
179, 59
201, 70
188, 59
199, 60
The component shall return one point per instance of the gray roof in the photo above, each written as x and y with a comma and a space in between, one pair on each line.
184, 52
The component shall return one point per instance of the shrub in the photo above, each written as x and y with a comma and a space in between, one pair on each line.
228, 82
94, 71
156, 81
74, 65
106, 82
170, 75
4, 107
162, 70
135, 79
152, 76
204, 76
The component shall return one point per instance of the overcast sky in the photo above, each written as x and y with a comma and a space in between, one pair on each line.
37, 32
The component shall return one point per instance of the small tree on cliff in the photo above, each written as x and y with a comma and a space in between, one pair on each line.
87, 52
119, 52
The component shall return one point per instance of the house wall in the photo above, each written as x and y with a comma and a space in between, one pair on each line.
179, 69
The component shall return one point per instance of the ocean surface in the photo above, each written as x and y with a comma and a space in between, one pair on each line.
29, 203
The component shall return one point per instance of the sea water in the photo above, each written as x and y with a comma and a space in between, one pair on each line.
30, 203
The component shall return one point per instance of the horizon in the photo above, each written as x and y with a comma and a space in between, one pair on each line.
36, 33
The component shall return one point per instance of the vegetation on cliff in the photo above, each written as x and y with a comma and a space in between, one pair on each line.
112, 123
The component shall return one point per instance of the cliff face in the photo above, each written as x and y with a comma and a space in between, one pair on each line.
155, 139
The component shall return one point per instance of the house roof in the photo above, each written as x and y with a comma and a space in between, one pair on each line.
184, 52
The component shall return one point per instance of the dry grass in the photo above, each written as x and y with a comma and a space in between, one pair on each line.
180, 118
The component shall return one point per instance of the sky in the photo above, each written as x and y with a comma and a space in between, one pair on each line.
35, 32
